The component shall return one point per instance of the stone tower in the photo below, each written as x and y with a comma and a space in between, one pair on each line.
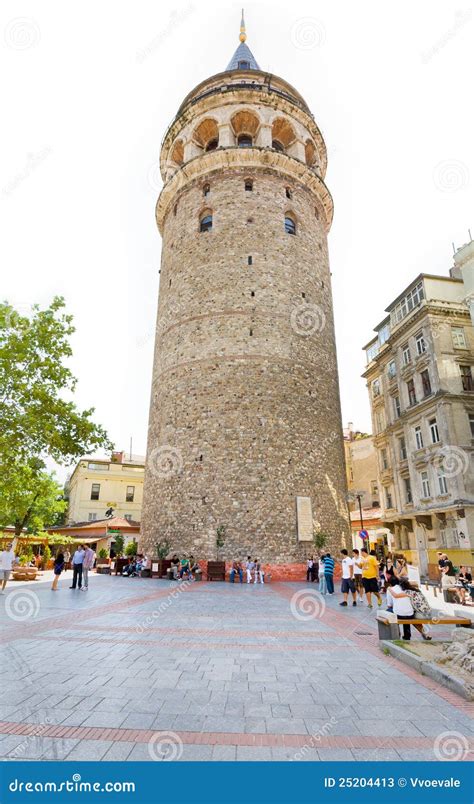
245, 429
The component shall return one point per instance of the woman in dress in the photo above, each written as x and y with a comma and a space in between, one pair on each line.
59, 565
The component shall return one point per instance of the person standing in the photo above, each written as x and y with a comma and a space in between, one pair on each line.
77, 560
370, 567
358, 574
322, 579
7, 560
67, 558
309, 568
59, 565
329, 573
347, 583
315, 570
87, 564
258, 571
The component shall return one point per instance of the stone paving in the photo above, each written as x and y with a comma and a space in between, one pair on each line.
137, 669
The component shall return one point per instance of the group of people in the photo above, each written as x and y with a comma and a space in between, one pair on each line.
83, 561
136, 565
184, 568
458, 584
252, 568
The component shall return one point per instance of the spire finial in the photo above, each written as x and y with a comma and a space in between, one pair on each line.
243, 35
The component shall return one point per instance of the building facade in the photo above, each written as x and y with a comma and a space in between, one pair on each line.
98, 484
245, 430
419, 374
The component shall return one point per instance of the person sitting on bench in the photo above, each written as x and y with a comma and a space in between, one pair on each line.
399, 599
236, 569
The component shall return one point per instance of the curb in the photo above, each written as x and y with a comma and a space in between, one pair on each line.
429, 669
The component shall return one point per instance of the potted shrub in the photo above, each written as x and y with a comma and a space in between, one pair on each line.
103, 560
162, 550
45, 558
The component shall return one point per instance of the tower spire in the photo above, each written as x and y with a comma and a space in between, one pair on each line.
243, 33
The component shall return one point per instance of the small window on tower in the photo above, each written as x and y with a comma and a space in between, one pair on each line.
206, 223
206, 190
243, 65
290, 225
288, 192
249, 260
212, 145
276, 144
244, 141
248, 186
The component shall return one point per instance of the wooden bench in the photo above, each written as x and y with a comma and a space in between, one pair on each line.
216, 570
389, 627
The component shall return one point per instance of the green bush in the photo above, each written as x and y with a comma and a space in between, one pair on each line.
102, 553
131, 549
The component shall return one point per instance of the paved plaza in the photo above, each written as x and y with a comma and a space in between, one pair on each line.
138, 669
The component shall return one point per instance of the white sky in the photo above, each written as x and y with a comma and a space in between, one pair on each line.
88, 91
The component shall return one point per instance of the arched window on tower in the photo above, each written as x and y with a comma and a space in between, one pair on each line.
206, 190
212, 145
244, 141
248, 185
277, 146
290, 225
205, 224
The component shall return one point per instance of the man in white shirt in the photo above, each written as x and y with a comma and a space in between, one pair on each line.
347, 584
77, 561
7, 559
359, 586
249, 566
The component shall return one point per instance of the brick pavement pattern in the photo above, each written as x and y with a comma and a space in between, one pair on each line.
139, 669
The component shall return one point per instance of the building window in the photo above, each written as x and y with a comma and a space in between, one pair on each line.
420, 344
392, 369
376, 388
206, 190
288, 193
98, 467
408, 494
426, 382
406, 356
442, 482
130, 494
459, 340
92, 517
206, 223
425, 485
388, 498
248, 186
418, 437
471, 424
383, 334
384, 458
290, 225
397, 407
276, 144
374, 490
95, 491
212, 145
411, 392
403, 448
434, 432
243, 65
466, 378
372, 352
128, 517
413, 298
244, 141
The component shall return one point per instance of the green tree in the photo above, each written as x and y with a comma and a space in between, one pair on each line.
119, 543
220, 538
31, 499
320, 539
38, 414
131, 549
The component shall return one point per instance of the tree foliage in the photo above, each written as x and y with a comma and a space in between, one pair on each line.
30, 500
39, 416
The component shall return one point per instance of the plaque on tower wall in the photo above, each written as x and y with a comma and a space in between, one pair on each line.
304, 519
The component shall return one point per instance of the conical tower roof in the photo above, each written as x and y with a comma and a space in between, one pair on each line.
243, 58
